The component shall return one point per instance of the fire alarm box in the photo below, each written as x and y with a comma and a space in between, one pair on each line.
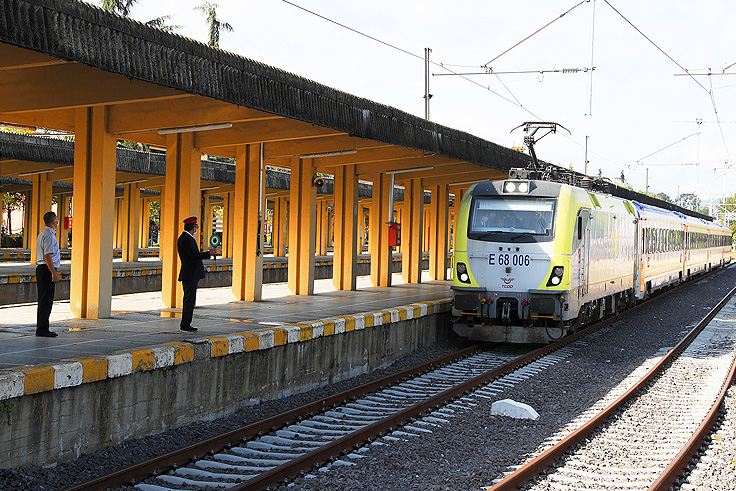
394, 234
67, 222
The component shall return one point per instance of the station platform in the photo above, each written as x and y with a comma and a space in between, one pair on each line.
140, 319
103, 381
145, 275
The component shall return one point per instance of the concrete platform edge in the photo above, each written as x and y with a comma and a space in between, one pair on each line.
52, 413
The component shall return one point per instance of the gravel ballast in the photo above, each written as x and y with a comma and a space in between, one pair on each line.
112, 458
475, 448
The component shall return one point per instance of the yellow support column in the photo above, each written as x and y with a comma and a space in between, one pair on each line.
145, 222
361, 226
458, 198
63, 208
28, 241
248, 241
161, 220
205, 221
427, 225
378, 234
438, 233
116, 224
399, 217
280, 223
131, 218
302, 227
331, 225
323, 227
179, 200
228, 218
40, 204
94, 210
345, 257
411, 231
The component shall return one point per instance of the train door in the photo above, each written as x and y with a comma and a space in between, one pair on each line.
582, 237
638, 253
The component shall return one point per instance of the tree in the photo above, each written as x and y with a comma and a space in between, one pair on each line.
663, 197
160, 23
209, 10
123, 7
10, 202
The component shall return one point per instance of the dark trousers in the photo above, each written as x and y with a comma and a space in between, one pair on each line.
190, 298
46, 289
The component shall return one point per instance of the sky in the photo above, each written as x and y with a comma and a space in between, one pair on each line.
637, 109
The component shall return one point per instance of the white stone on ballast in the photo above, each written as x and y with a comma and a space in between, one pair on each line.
513, 409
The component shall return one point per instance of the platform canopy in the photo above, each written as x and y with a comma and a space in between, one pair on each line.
73, 67
56, 56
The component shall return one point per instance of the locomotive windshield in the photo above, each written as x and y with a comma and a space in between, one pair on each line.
493, 215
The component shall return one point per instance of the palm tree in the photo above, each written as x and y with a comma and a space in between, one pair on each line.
123, 8
209, 9
159, 22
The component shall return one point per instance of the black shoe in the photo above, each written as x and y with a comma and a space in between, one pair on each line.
185, 328
47, 334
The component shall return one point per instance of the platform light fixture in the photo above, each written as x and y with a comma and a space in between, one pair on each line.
35, 172
468, 182
326, 154
316, 155
413, 169
123, 183
191, 129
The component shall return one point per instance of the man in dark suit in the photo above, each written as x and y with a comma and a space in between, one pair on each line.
192, 269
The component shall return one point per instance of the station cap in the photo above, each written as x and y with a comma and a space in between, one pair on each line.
190, 220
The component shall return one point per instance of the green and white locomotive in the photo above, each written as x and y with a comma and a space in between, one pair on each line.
535, 259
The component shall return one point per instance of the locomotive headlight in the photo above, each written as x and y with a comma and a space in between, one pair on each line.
462, 273
556, 277
516, 187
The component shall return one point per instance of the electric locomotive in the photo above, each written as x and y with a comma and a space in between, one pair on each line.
534, 260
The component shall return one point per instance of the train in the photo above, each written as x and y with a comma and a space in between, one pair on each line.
535, 260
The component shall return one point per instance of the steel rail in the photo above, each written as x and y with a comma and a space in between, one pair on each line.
336, 447
678, 466
531, 469
181, 456
389, 423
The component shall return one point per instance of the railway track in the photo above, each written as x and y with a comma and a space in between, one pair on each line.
652, 425
333, 430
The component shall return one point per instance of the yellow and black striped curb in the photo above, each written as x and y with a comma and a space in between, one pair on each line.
19, 381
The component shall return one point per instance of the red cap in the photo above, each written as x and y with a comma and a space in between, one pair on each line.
190, 220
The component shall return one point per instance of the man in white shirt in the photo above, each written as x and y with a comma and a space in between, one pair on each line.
48, 258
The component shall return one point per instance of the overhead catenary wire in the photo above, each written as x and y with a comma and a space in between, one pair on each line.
536, 32
666, 147
441, 65
592, 64
490, 71
709, 92
446, 67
